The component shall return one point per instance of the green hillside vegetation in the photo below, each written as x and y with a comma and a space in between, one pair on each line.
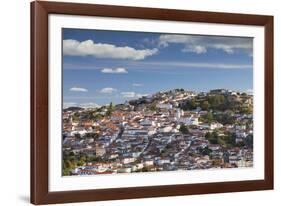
227, 140
216, 103
71, 161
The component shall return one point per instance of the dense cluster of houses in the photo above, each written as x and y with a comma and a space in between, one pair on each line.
147, 136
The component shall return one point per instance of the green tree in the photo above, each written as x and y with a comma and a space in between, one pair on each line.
246, 110
110, 109
249, 141
205, 105
80, 163
205, 151
240, 144
184, 129
153, 107
209, 117
225, 118
67, 167
66, 171
230, 140
213, 137
208, 135
216, 101
145, 169
193, 104
76, 117
77, 135
189, 105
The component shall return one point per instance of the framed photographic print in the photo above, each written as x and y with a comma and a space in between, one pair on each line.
131, 102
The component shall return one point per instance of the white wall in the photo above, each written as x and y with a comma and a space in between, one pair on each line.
14, 87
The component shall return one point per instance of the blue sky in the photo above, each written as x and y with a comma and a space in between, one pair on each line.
100, 67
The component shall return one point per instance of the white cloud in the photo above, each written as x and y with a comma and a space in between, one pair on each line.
201, 44
200, 65
166, 39
132, 95
141, 95
108, 90
69, 104
119, 70
100, 50
249, 91
78, 89
128, 94
83, 105
137, 85
89, 105
195, 49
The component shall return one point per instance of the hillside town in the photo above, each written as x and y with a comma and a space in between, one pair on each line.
166, 131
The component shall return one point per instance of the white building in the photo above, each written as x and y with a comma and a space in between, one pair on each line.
179, 113
147, 122
134, 131
215, 125
189, 120
163, 161
166, 129
128, 160
148, 163
164, 106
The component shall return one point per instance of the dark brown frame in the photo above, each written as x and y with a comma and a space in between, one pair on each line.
39, 102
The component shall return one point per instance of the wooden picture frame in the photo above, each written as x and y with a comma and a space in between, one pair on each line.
39, 102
